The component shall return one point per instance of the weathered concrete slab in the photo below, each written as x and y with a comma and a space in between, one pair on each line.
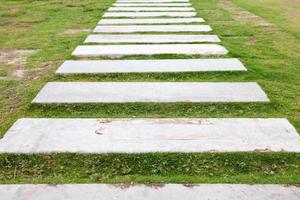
152, 1
137, 9
149, 49
149, 14
124, 92
150, 192
151, 21
151, 28
142, 66
151, 4
150, 135
143, 38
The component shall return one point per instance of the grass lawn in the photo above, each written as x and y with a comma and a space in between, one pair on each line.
263, 34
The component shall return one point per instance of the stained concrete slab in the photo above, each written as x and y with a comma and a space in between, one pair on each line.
149, 14
151, 28
151, 21
149, 49
142, 66
143, 38
160, 92
50, 135
150, 192
137, 9
151, 4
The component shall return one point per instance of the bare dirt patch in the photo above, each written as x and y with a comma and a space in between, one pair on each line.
242, 15
14, 56
43, 68
75, 31
16, 60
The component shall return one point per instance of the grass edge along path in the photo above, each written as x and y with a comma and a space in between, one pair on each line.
151, 168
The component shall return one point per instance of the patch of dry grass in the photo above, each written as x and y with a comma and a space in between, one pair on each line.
242, 15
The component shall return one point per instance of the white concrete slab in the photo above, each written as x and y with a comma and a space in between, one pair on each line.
151, 21
143, 38
151, 28
137, 9
150, 135
150, 192
151, 4
149, 49
149, 14
159, 92
142, 66
152, 1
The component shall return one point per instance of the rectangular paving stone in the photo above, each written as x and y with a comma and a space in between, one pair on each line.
50, 135
149, 49
151, 28
159, 92
151, 21
150, 192
152, 1
151, 4
143, 38
142, 66
149, 14
150, 9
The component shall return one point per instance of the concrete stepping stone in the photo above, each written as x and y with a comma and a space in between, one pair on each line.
151, 28
151, 4
142, 38
149, 49
150, 192
152, 1
150, 14
150, 21
151, 9
158, 92
50, 135
143, 66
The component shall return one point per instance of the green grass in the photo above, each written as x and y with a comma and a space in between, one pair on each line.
270, 53
151, 168
284, 14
